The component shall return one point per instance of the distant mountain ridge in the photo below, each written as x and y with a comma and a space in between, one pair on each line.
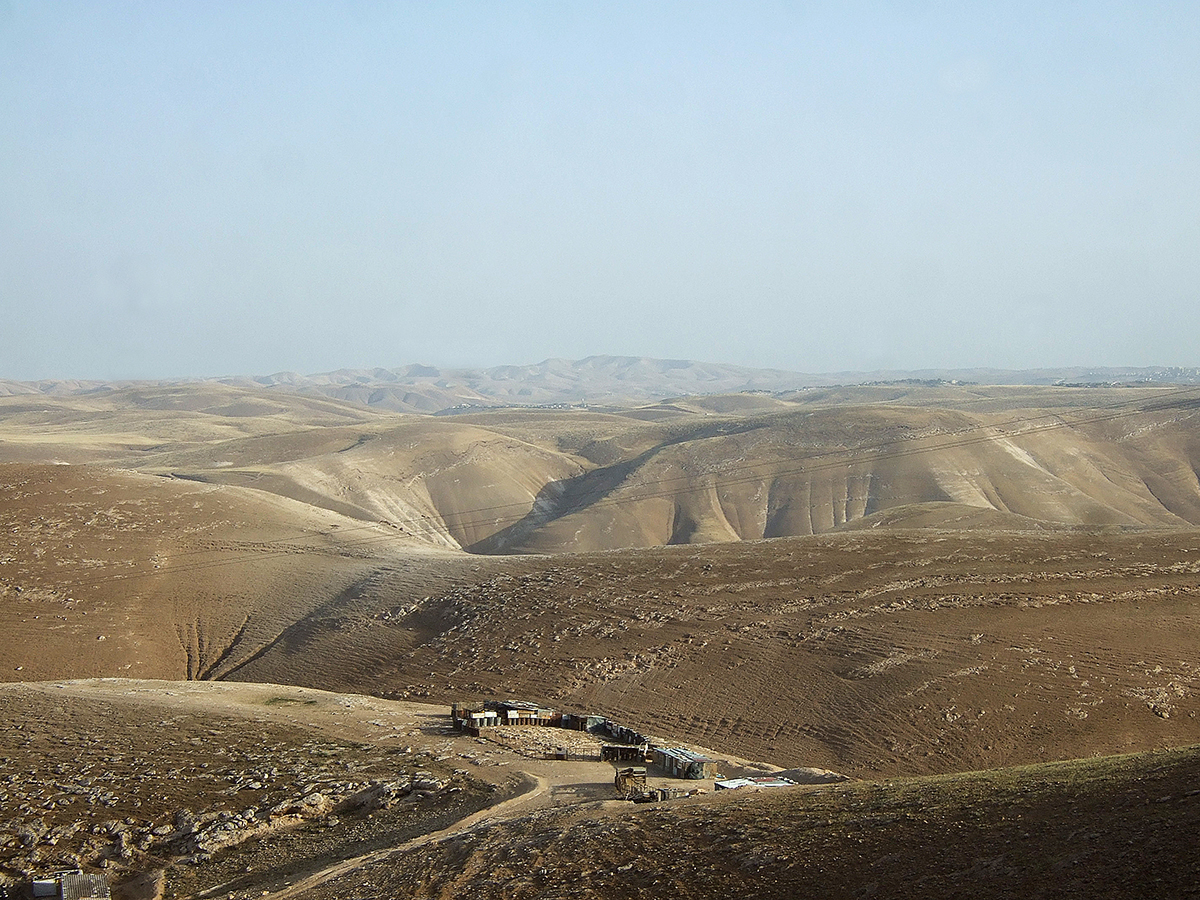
598, 380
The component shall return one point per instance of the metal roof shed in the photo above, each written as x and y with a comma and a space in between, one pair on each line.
680, 763
79, 886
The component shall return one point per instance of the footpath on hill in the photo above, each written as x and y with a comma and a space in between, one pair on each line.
282, 856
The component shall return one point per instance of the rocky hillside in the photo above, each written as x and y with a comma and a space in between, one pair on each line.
1097, 828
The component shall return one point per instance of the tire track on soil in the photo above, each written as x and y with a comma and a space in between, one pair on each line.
536, 787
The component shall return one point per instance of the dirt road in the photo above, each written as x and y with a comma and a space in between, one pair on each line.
537, 787
401, 731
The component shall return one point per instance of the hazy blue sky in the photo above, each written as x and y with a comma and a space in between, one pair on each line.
202, 188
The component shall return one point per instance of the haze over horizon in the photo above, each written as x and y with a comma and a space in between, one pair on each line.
218, 189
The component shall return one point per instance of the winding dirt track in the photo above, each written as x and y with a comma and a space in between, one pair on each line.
536, 787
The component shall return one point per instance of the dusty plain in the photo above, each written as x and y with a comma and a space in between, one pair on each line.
901, 583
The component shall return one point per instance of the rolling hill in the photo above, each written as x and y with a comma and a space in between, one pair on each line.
712, 469
902, 557
596, 380
887, 580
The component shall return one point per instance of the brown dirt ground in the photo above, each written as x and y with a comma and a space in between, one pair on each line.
1047, 609
83, 760
873, 653
1119, 827
108, 572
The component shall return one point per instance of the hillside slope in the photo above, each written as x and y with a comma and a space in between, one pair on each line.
870, 653
105, 572
553, 481
1090, 829
321, 545
697, 470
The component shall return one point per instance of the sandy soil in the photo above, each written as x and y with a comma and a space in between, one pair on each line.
872, 654
1114, 828
691, 471
108, 572
1045, 608
214, 782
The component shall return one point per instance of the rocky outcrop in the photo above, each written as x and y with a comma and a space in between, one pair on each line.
30, 846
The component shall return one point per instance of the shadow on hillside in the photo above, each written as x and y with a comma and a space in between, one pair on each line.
571, 495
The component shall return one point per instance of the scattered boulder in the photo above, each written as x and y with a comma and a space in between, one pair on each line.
380, 795
185, 821
806, 775
308, 806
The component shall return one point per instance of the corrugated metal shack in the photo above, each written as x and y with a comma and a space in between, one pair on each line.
473, 717
624, 753
623, 735
657, 795
71, 885
680, 763
567, 754
630, 780
583, 722
78, 886
522, 713
629, 746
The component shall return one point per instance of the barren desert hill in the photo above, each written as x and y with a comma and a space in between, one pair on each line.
597, 380
217, 784
442, 480
554, 480
114, 425
737, 478
888, 581
428, 389
110, 572
606, 380
871, 653
1088, 829
321, 546
524, 480
244, 790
